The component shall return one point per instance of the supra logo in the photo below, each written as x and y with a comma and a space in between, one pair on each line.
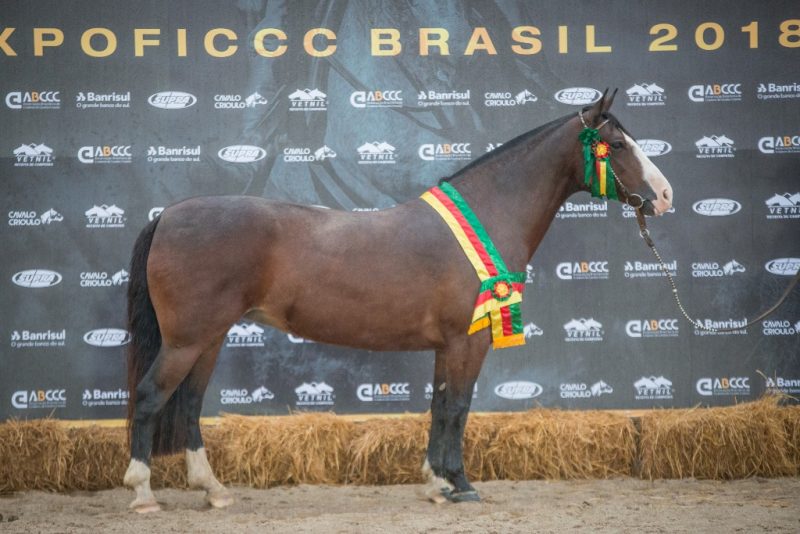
445, 151
395, 392
785, 206
98, 397
717, 92
24, 339
182, 154
716, 207
426, 99
172, 100
107, 337
35, 278
650, 328
232, 101
506, 99
712, 269
715, 146
712, 325
583, 330
581, 390
105, 216
92, 100
376, 152
653, 388
790, 386
654, 147
245, 335
31, 218
105, 154
781, 144
578, 96
305, 155
39, 398
518, 390
376, 99
583, 210
645, 94
735, 385
242, 153
308, 100
779, 328
643, 269
530, 330
774, 91
33, 155
33, 100
583, 270
154, 212
314, 394
103, 279
243, 396
783, 266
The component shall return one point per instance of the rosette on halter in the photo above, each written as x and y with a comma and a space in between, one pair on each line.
500, 293
596, 166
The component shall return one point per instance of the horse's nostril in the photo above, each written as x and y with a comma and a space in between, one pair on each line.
666, 194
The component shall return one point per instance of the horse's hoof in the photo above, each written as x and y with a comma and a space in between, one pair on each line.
219, 499
145, 506
463, 496
437, 495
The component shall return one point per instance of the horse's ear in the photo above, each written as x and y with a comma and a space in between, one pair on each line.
608, 100
592, 115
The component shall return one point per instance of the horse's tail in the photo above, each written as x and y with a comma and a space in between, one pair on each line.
170, 422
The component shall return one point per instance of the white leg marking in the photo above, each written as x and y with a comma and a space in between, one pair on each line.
137, 477
200, 475
436, 485
654, 177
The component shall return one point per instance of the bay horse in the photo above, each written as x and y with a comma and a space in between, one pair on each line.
395, 279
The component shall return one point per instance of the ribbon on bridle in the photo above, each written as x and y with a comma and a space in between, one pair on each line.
597, 171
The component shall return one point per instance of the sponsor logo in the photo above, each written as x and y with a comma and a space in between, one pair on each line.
233, 101
33, 100
644, 269
104, 279
244, 396
308, 100
31, 218
785, 206
33, 155
718, 324
97, 397
583, 330
35, 278
314, 394
529, 274
716, 207
376, 152
784, 385
376, 99
105, 216
105, 154
582, 270
39, 398
716, 146
583, 210
735, 385
775, 91
245, 335
653, 388
172, 100
530, 330
426, 99
712, 269
492, 146
779, 327
783, 266
654, 147
578, 96
242, 153
506, 99
581, 390
782, 144
650, 328
445, 151
716, 92
107, 337
164, 154
429, 391
518, 390
26, 339
297, 339
154, 212
92, 100
629, 212
395, 392
645, 94
304, 155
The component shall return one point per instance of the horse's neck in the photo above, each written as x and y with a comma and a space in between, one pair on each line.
517, 194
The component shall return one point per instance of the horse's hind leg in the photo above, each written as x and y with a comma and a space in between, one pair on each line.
433, 469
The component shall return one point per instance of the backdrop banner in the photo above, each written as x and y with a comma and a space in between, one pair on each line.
113, 110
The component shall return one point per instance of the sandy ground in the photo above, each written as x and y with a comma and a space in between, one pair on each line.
622, 505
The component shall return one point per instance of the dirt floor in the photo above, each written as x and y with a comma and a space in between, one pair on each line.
622, 505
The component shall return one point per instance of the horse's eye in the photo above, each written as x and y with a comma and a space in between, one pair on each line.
616, 145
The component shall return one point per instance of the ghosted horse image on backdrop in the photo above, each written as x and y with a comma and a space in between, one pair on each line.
396, 279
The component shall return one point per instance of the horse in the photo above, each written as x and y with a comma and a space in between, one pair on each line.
394, 279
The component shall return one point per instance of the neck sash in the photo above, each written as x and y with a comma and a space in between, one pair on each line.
500, 293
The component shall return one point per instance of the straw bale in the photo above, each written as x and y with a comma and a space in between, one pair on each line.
791, 422
99, 458
34, 455
745, 440
388, 451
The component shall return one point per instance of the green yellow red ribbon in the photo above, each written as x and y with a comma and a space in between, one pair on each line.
597, 171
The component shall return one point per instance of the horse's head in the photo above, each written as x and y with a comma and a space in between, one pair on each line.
638, 182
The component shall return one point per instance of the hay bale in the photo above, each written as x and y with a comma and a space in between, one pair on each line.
739, 441
554, 444
791, 423
388, 451
34, 455
99, 458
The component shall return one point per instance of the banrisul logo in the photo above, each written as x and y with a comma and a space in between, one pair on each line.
588, 209
173, 154
714, 146
653, 388
654, 147
36, 278
105, 154
236, 101
507, 99
314, 394
445, 151
92, 398
308, 100
107, 337
651, 328
716, 92
518, 390
645, 94
105, 216
376, 152
785, 206
427, 99
27, 339
779, 144
783, 266
245, 335
790, 386
25, 100
723, 386
33, 155
713, 269
582, 270
578, 96
32, 218
172, 100
113, 100
713, 325
385, 98
644, 269
716, 207
583, 330
777, 91
307, 155
384, 392
242, 154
